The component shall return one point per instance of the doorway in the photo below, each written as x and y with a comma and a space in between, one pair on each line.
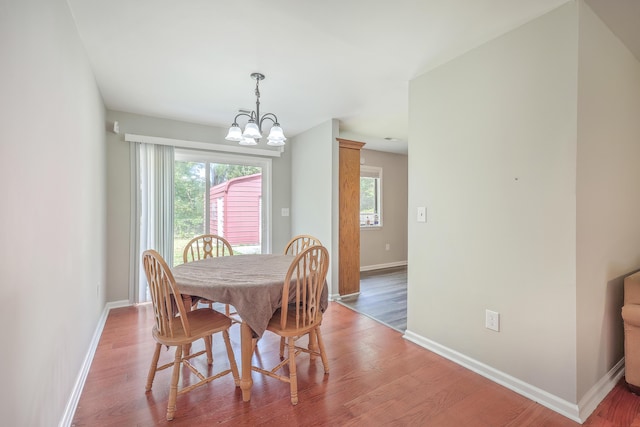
383, 238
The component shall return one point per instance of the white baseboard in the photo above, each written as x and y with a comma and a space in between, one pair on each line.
576, 412
72, 403
340, 297
381, 266
334, 297
599, 391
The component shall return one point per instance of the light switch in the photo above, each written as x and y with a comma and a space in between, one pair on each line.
285, 211
422, 214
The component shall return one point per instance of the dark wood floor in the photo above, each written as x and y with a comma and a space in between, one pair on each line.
377, 378
383, 297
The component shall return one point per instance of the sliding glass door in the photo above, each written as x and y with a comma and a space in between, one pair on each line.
221, 194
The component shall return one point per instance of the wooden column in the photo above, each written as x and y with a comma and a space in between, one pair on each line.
349, 230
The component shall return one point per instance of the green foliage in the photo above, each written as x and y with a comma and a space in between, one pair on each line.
368, 195
223, 173
189, 186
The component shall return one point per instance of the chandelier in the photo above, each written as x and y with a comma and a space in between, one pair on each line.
252, 131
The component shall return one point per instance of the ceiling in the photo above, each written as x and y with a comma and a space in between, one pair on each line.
191, 60
623, 19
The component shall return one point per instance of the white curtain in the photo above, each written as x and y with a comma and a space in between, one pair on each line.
152, 198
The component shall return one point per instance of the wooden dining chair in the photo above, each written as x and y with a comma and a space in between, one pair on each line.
177, 327
303, 289
300, 243
296, 245
205, 246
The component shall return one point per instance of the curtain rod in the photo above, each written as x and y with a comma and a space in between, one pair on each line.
183, 143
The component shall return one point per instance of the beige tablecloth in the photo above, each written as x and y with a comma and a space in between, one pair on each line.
251, 283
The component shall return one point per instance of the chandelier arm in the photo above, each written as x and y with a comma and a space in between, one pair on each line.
274, 119
235, 120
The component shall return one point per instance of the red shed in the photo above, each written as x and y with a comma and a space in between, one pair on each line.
236, 207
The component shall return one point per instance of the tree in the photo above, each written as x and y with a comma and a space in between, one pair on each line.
367, 195
189, 186
223, 173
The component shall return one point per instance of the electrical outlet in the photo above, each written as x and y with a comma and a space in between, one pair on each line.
422, 214
492, 320
387, 247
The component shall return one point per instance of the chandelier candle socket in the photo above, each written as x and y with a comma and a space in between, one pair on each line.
253, 130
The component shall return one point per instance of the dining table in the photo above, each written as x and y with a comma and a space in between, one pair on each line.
251, 283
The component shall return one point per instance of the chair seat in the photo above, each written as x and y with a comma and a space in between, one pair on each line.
203, 323
290, 329
233, 315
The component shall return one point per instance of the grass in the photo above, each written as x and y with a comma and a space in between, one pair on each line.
178, 248
180, 243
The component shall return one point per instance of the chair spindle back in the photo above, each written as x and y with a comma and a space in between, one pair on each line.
300, 243
303, 286
205, 246
166, 298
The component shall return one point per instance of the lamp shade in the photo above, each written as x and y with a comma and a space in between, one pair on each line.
276, 136
275, 143
276, 133
248, 141
251, 130
235, 134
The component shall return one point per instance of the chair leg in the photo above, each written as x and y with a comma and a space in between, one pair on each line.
282, 342
293, 376
323, 353
232, 358
208, 343
173, 389
313, 344
154, 366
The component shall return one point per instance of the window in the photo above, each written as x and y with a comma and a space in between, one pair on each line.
370, 196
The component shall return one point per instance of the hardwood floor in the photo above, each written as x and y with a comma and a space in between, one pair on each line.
376, 378
383, 297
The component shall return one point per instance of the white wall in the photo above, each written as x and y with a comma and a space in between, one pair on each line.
493, 158
608, 202
312, 190
119, 188
373, 253
52, 221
